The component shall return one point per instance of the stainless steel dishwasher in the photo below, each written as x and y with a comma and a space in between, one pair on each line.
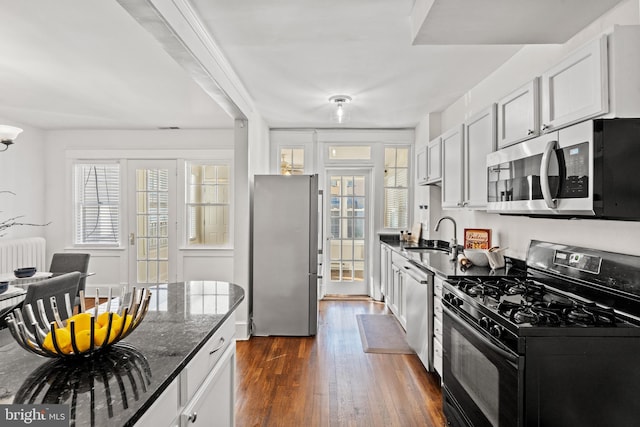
419, 295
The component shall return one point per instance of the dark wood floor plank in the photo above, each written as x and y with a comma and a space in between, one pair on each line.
328, 380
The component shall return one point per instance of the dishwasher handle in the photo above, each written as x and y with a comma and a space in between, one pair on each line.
419, 275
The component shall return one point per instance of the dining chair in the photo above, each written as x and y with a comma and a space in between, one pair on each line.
55, 286
68, 262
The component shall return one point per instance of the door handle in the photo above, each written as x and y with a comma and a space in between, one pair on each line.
132, 239
549, 151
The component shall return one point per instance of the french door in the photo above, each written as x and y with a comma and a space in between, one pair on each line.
152, 222
347, 224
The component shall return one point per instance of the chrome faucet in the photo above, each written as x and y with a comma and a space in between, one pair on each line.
454, 243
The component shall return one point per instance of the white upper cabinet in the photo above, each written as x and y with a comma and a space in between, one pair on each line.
464, 161
434, 161
429, 163
452, 167
421, 165
518, 115
479, 140
576, 88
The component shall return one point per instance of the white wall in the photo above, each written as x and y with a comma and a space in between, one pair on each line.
516, 232
22, 171
110, 265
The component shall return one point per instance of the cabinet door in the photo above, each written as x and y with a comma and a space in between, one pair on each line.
452, 164
213, 404
392, 301
402, 299
163, 410
576, 88
385, 270
518, 115
434, 161
421, 165
479, 140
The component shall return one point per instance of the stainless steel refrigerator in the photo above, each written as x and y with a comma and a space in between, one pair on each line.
284, 291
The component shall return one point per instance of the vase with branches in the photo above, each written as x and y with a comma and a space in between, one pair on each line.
7, 223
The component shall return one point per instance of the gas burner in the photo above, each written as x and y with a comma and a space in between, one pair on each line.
535, 314
524, 315
482, 289
589, 314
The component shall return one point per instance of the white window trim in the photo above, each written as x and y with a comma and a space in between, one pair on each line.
182, 229
122, 156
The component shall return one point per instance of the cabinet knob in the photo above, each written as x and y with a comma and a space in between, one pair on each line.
192, 417
545, 127
530, 132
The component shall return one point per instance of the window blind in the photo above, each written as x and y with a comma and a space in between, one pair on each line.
97, 203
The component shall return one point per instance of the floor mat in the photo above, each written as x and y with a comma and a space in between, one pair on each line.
381, 333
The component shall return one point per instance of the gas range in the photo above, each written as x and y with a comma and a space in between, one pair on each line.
521, 306
530, 351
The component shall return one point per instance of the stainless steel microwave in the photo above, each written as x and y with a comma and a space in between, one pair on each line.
590, 169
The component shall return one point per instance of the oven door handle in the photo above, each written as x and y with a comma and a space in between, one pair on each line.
509, 357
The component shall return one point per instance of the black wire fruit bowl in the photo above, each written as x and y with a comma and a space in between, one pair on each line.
81, 334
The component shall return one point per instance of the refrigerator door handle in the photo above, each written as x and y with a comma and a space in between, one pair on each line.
321, 194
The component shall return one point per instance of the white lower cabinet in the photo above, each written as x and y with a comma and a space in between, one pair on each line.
437, 324
213, 403
163, 409
204, 391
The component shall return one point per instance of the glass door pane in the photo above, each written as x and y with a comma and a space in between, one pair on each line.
152, 238
347, 237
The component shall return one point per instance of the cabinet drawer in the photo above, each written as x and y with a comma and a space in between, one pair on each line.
437, 329
213, 404
437, 308
200, 366
437, 357
163, 409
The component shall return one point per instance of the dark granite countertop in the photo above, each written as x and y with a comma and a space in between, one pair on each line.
434, 256
115, 387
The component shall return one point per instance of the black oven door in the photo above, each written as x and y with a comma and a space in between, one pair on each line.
482, 379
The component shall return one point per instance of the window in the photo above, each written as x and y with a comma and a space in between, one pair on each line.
291, 161
97, 203
396, 187
348, 152
208, 203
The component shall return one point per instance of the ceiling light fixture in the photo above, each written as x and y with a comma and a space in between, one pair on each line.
7, 135
340, 114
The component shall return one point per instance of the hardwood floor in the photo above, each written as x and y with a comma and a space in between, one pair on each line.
328, 380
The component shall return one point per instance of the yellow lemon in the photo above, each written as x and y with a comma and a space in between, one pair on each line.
82, 322
48, 343
99, 336
116, 326
103, 319
127, 322
83, 340
63, 338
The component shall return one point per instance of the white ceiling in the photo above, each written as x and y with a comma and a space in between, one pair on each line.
88, 64
504, 21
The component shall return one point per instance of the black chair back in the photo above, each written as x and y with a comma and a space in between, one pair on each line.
68, 262
45, 289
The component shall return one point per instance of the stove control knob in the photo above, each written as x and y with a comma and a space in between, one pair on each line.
484, 322
496, 331
453, 300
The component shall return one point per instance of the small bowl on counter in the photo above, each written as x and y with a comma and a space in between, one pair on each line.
23, 272
478, 257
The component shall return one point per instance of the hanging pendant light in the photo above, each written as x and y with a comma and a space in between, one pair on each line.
340, 114
8, 134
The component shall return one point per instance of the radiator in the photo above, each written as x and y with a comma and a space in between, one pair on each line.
26, 252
